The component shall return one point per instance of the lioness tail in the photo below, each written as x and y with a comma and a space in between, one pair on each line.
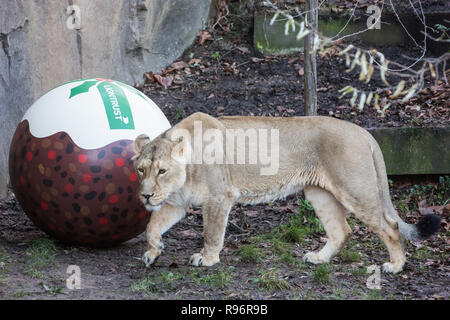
427, 225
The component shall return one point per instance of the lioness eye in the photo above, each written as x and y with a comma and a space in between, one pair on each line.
141, 170
162, 171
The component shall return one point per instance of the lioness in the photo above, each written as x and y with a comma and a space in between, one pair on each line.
338, 165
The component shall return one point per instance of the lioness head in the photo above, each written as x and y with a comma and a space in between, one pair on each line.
160, 168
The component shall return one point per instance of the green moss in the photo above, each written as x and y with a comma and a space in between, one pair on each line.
250, 253
322, 274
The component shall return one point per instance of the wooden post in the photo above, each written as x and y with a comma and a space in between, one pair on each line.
310, 92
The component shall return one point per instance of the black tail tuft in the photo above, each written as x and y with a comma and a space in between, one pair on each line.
428, 225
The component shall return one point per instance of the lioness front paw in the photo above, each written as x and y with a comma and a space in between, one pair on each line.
150, 257
199, 260
392, 268
314, 258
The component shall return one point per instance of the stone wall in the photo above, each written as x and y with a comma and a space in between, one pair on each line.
42, 46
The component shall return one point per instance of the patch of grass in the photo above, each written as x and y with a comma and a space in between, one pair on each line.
288, 258
374, 295
216, 55
145, 285
278, 247
21, 294
338, 294
42, 254
168, 277
359, 272
322, 274
270, 280
350, 256
179, 114
250, 253
294, 233
424, 253
214, 278
300, 225
52, 290
220, 278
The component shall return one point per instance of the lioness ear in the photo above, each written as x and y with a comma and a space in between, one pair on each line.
140, 142
182, 150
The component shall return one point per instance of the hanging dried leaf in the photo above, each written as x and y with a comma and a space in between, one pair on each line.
433, 73
370, 71
376, 104
355, 61
353, 99
347, 60
346, 90
275, 16
363, 65
399, 89
383, 71
369, 98
303, 31
286, 28
349, 47
362, 101
291, 23
410, 93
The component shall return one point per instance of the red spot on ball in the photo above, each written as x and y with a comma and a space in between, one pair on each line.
120, 162
86, 177
133, 177
22, 180
44, 205
113, 199
102, 221
68, 187
142, 214
51, 154
29, 156
82, 158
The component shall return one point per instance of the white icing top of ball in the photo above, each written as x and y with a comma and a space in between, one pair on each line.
95, 113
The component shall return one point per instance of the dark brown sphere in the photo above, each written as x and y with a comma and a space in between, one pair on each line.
85, 197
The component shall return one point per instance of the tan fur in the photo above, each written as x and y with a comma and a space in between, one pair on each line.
337, 164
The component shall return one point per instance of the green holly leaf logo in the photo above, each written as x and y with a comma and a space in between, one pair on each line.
82, 88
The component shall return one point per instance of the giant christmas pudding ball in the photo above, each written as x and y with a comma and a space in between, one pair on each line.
70, 161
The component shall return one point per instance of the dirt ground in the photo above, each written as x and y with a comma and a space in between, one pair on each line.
260, 260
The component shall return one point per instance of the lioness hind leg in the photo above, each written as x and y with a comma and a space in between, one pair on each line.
371, 213
390, 237
332, 215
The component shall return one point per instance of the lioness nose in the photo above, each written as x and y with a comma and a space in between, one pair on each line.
148, 195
